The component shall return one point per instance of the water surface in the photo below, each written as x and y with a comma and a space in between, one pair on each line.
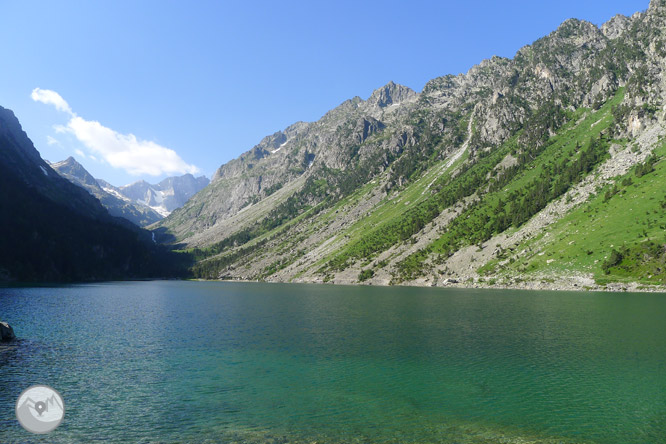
226, 362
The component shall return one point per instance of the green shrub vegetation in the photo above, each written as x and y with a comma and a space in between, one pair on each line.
616, 236
365, 275
546, 169
544, 173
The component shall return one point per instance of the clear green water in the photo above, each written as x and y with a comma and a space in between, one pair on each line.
170, 362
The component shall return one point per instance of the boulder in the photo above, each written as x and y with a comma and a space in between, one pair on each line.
6, 332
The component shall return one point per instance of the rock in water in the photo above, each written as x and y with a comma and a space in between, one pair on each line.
6, 332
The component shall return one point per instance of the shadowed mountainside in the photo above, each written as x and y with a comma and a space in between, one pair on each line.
54, 230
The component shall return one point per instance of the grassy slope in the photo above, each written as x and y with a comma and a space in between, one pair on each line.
566, 144
579, 242
584, 239
389, 209
393, 208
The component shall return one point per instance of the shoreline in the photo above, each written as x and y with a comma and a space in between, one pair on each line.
574, 284
569, 286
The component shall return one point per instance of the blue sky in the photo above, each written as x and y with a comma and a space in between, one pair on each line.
147, 89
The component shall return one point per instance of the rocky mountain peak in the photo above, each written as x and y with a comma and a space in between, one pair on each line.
73, 170
274, 140
657, 7
70, 162
391, 94
616, 26
577, 32
186, 183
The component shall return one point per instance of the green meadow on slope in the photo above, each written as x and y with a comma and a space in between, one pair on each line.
502, 201
518, 193
511, 196
619, 235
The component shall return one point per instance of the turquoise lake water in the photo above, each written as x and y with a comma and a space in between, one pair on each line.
148, 362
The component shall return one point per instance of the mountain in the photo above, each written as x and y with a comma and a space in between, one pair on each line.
164, 197
54, 230
282, 163
545, 170
117, 204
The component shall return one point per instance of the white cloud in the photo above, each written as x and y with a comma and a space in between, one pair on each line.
80, 153
124, 151
50, 140
50, 98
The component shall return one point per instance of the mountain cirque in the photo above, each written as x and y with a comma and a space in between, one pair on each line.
140, 202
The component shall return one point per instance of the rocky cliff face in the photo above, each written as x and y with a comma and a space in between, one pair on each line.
115, 203
161, 198
374, 189
282, 161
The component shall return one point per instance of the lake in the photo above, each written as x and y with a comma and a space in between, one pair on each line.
170, 361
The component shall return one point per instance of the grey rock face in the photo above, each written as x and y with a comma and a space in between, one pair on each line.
657, 8
73, 171
177, 190
391, 94
616, 26
6, 332
335, 142
166, 196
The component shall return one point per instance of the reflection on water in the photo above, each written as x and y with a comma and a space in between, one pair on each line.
224, 362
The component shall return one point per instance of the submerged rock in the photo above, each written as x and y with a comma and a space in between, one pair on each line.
6, 332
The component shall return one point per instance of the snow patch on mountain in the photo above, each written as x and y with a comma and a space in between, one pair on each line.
116, 194
161, 210
278, 148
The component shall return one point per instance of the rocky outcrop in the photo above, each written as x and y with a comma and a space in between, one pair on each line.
657, 8
390, 94
6, 332
616, 26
